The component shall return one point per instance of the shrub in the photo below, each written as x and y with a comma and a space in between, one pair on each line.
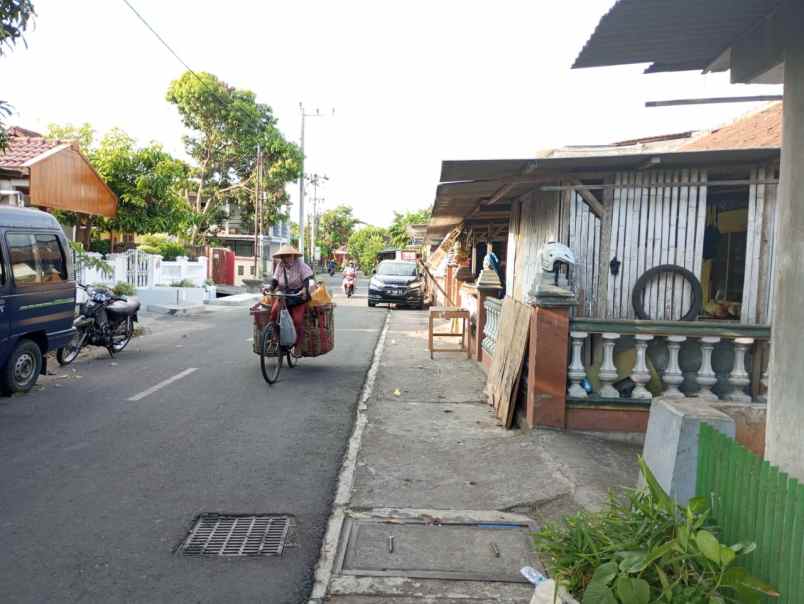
642, 547
183, 283
124, 288
100, 246
168, 248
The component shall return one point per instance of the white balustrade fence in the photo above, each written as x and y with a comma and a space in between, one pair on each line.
705, 360
141, 270
493, 308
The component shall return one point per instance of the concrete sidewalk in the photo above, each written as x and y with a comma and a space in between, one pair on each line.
428, 452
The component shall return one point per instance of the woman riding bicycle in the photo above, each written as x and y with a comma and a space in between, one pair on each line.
293, 277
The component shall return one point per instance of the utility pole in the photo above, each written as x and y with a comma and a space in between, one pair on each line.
257, 221
304, 115
315, 180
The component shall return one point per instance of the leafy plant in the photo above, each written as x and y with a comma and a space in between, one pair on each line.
183, 283
83, 259
162, 245
123, 288
365, 244
642, 547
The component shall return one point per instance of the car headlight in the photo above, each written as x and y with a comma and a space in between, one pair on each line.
375, 283
416, 285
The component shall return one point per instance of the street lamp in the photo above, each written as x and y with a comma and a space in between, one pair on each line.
304, 115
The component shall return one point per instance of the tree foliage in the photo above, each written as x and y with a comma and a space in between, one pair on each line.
398, 230
84, 134
226, 125
15, 16
365, 244
335, 227
148, 181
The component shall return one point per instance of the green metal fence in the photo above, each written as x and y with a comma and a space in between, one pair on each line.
754, 501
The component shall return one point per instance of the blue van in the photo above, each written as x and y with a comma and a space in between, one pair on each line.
37, 295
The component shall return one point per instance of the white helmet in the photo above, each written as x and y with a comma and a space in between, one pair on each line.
554, 253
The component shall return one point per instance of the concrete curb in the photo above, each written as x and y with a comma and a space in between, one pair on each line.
176, 310
236, 300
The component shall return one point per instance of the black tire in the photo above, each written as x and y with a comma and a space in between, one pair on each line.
124, 333
271, 356
23, 368
372, 304
638, 293
67, 354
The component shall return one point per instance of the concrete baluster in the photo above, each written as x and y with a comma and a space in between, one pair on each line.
763, 398
739, 377
673, 376
608, 372
641, 373
706, 376
576, 371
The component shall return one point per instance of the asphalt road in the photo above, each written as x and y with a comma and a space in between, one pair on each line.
97, 490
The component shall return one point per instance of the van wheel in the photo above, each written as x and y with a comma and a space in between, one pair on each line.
22, 369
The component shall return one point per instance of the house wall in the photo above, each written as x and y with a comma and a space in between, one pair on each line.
534, 221
66, 181
580, 229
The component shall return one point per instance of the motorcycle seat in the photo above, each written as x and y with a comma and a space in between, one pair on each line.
124, 307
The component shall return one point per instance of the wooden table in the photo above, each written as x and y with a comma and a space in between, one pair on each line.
449, 313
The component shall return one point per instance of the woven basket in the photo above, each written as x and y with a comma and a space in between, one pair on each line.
319, 330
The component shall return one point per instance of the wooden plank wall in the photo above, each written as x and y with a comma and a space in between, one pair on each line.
510, 253
538, 224
759, 248
654, 221
580, 229
66, 181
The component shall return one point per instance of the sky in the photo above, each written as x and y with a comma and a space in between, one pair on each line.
411, 83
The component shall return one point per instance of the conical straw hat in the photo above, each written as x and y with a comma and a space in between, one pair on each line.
287, 250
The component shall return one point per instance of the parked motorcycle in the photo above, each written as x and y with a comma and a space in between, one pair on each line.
103, 320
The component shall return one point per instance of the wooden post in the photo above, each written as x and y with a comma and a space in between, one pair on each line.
547, 368
481, 324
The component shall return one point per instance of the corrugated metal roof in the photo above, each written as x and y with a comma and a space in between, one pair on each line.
650, 31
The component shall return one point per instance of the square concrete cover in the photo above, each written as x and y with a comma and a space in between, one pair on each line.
444, 551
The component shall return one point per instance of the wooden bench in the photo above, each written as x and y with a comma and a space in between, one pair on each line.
449, 313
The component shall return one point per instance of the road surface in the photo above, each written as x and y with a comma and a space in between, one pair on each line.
106, 465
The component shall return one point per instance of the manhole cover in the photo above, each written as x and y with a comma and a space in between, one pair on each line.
237, 536
479, 552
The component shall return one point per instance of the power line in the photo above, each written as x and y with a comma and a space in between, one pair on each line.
225, 103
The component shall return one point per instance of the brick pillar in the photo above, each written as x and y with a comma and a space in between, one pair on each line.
547, 367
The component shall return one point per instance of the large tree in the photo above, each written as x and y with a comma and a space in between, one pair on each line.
226, 125
15, 16
365, 244
398, 231
334, 229
149, 183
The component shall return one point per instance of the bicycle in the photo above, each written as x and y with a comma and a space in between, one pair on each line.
272, 353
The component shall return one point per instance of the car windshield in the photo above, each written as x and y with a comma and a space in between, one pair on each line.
397, 269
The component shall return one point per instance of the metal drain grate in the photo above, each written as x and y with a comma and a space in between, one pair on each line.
237, 536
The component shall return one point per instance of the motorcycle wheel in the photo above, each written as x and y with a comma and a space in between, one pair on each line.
68, 353
121, 336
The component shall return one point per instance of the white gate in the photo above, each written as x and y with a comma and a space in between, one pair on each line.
137, 265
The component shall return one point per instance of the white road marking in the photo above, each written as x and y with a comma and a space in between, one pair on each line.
162, 384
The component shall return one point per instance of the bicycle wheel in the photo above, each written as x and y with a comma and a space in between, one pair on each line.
271, 355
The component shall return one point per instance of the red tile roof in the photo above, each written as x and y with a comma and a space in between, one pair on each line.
21, 149
759, 130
